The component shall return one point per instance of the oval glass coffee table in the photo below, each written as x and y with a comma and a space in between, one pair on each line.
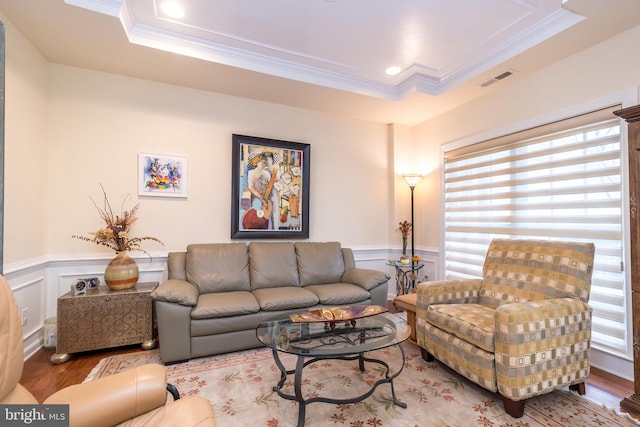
348, 340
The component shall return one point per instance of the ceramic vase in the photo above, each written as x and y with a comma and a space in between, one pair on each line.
121, 272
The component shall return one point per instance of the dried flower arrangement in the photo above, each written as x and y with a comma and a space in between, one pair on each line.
115, 233
405, 228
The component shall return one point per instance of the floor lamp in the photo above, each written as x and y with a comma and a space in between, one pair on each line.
412, 179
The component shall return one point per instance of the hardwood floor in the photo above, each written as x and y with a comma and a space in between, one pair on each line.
42, 378
607, 389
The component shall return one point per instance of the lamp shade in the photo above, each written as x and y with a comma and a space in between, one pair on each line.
412, 179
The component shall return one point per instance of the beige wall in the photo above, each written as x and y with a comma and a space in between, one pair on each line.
99, 123
402, 162
26, 176
69, 129
411, 157
601, 72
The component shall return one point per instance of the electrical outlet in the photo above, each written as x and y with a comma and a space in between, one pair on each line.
25, 316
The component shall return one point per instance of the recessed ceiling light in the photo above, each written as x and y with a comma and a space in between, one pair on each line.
172, 9
393, 70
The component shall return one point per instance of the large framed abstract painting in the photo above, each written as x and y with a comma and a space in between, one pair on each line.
270, 189
162, 175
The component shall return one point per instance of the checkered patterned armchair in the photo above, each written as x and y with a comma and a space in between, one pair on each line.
522, 330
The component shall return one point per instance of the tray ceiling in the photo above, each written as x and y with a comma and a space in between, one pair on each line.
347, 44
324, 55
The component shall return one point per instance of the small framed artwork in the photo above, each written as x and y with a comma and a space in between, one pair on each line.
270, 189
162, 175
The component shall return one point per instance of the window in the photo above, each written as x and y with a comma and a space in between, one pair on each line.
561, 181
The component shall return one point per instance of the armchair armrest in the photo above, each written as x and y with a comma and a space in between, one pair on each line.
114, 399
365, 278
177, 291
447, 292
543, 344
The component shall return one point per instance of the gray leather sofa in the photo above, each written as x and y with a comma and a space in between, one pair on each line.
217, 294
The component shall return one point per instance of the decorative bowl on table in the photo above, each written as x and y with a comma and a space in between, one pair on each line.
337, 314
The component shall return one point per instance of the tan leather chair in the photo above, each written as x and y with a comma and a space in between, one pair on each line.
136, 397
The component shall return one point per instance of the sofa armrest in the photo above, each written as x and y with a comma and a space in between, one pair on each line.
174, 331
177, 291
448, 292
174, 301
114, 399
365, 278
543, 344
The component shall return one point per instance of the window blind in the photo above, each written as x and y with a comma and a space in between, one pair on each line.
560, 181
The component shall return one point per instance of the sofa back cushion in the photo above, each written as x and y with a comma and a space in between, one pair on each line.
218, 267
319, 262
526, 270
272, 265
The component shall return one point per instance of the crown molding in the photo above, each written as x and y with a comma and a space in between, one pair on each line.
229, 50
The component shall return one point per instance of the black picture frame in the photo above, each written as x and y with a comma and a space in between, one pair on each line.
269, 188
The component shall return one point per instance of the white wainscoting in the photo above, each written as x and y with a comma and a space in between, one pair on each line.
38, 283
29, 288
63, 273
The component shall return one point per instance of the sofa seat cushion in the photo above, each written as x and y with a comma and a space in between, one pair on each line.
473, 323
224, 304
284, 298
225, 325
339, 293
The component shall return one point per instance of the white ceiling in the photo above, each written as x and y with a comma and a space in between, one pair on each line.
346, 44
325, 55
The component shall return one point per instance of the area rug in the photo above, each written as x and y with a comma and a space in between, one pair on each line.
240, 388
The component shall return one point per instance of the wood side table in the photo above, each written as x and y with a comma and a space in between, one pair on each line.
103, 319
408, 303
